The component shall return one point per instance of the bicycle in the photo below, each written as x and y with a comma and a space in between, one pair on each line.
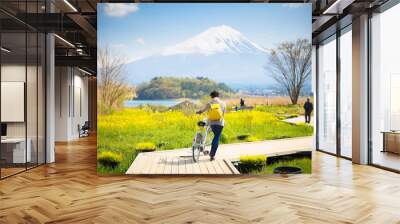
201, 140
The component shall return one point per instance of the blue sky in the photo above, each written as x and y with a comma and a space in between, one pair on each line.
139, 30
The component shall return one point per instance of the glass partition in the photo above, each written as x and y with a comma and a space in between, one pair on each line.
327, 95
346, 93
385, 89
22, 77
13, 94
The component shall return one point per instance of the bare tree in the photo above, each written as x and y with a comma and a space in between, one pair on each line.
290, 66
112, 87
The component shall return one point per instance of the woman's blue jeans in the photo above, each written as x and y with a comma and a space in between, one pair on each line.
217, 130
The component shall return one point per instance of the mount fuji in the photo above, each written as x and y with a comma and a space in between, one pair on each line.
220, 53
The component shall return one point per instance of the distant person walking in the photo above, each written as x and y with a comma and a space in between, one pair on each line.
308, 108
241, 102
216, 110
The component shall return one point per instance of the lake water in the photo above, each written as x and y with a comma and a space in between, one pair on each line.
167, 102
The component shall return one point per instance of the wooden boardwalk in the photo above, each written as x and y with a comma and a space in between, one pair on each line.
179, 161
151, 163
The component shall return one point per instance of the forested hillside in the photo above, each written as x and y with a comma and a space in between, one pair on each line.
172, 88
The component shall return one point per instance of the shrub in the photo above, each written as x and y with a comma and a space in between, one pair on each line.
252, 139
109, 159
252, 163
224, 138
145, 147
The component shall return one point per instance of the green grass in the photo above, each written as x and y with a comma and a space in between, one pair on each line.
121, 131
304, 163
127, 159
254, 162
280, 110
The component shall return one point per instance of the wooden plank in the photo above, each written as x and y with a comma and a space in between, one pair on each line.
216, 166
174, 165
168, 165
189, 166
181, 166
160, 165
231, 167
135, 165
210, 167
225, 169
195, 168
203, 167
147, 162
154, 164
138, 164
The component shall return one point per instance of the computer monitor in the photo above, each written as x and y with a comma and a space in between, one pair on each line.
3, 130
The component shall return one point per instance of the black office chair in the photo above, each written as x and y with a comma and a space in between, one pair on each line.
84, 130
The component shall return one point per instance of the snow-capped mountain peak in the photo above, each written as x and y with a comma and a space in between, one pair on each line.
218, 39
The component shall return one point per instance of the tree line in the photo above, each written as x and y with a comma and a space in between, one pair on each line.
173, 88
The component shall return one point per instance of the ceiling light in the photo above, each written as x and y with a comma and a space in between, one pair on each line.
5, 50
64, 40
70, 5
84, 71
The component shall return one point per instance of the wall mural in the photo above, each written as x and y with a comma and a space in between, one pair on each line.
208, 89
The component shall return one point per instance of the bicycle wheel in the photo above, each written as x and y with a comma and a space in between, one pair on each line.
196, 153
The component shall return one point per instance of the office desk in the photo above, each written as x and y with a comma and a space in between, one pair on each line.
13, 150
391, 141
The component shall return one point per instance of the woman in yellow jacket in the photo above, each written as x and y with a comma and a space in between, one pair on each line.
216, 109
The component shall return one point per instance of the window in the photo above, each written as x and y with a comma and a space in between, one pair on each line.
327, 96
385, 89
346, 93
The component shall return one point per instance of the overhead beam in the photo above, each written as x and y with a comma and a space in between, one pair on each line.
49, 22
77, 61
85, 25
338, 7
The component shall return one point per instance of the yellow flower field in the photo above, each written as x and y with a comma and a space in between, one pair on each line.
121, 131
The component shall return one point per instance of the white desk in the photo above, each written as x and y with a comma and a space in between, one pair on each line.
18, 151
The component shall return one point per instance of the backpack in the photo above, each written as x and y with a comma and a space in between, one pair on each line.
215, 113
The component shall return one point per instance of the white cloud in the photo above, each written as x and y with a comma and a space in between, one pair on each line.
134, 58
140, 41
120, 9
294, 5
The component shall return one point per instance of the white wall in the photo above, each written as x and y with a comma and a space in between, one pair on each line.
62, 82
33, 126
71, 94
